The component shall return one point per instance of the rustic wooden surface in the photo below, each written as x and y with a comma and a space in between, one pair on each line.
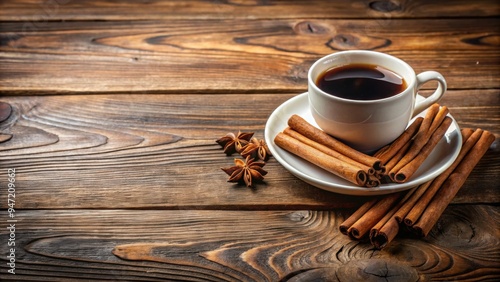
231, 55
116, 106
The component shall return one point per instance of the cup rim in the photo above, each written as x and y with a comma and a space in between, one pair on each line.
410, 84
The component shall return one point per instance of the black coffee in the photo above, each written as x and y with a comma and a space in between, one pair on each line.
361, 82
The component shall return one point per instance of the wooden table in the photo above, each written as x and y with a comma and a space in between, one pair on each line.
116, 106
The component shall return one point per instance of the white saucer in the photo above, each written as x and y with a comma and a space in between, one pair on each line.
443, 155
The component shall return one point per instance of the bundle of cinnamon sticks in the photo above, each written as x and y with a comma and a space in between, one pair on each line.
418, 209
406, 154
314, 145
396, 162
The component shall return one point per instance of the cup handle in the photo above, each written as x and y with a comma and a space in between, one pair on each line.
423, 78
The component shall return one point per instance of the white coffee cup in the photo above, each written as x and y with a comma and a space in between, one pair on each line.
368, 125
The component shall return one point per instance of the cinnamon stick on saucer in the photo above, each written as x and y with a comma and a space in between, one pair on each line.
434, 117
389, 151
342, 169
396, 158
294, 134
411, 167
300, 125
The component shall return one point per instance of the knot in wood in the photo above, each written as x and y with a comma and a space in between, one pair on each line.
299, 216
343, 41
358, 41
492, 40
308, 27
385, 6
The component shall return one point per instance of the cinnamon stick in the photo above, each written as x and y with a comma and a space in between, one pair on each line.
432, 120
294, 134
408, 205
420, 190
300, 125
466, 133
386, 234
439, 118
373, 181
426, 198
432, 111
397, 157
387, 228
344, 226
411, 167
453, 184
389, 151
382, 216
361, 227
342, 169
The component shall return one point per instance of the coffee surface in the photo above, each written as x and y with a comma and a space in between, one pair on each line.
361, 82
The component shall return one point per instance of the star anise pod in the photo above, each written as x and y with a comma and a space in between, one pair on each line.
246, 171
256, 149
234, 143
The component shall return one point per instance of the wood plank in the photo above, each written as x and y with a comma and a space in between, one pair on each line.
89, 149
197, 245
57, 10
231, 56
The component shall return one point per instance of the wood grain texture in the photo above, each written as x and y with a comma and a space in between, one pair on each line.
190, 245
159, 151
231, 56
56, 10
116, 106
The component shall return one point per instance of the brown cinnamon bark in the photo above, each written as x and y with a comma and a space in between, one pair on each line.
373, 181
300, 125
386, 153
431, 113
426, 198
397, 158
451, 186
382, 216
421, 138
387, 228
361, 227
438, 119
420, 190
386, 234
466, 133
294, 134
408, 205
344, 226
342, 169
411, 167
